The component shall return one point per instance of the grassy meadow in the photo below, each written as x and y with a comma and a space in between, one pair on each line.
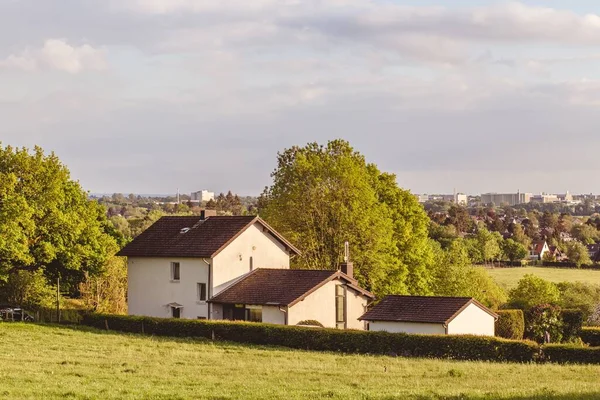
509, 277
53, 362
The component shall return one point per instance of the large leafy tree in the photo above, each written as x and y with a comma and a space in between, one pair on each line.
46, 220
322, 196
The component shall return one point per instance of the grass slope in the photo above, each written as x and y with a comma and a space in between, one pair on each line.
54, 362
509, 277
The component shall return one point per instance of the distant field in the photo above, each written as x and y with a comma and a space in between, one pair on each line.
508, 277
58, 362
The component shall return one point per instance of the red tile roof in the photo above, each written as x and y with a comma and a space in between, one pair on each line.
280, 287
423, 309
175, 236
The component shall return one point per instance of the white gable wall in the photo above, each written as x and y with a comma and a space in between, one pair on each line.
253, 244
150, 288
407, 327
472, 321
320, 306
273, 315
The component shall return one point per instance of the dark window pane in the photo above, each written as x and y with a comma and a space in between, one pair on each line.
176, 312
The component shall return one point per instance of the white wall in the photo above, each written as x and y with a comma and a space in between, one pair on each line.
273, 315
472, 321
150, 288
234, 260
356, 306
407, 327
319, 305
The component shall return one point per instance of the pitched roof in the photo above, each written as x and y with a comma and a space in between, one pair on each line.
424, 309
538, 247
281, 287
175, 236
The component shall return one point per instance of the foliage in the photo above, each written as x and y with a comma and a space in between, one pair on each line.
572, 321
591, 336
572, 354
531, 291
512, 250
28, 289
455, 276
594, 317
510, 324
346, 341
580, 295
541, 319
107, 292
323, 196
578, 254
46, 220
586, 234
458, 216
310, 322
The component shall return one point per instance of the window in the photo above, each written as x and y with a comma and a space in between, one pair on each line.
254, 313
201, 288
251, 261
175, 271
176, 312
340, 307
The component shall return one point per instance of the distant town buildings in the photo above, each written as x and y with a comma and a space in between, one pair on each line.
202, 195
510, 199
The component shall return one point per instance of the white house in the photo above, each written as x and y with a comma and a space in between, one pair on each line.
431, 315
233, 267
538, 250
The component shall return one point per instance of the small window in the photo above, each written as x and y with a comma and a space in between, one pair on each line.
340, 307
175, 267
254, 313
199, 317
176, 312
201, 288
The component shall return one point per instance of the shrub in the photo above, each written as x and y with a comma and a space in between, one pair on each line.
572, 321
347, 341
568, 353
531, 291
541, 319
310, 322
510, 324
590, 336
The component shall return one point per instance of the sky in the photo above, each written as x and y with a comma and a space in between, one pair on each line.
151, 96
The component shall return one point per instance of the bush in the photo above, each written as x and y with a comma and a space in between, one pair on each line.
590, 336
347, 341
541, 319
510, 324
531, 291
563, 353
310, 322
572, 321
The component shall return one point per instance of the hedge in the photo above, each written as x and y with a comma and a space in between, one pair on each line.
565, 353
347, 341
572, 322
510, 324
590, 336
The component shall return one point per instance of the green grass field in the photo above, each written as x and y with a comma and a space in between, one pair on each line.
53, 362
509, 277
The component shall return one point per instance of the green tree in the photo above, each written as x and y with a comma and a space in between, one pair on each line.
531, 291
107, 292
586, 234
578, 254
28, 289
489, 244
454, 275
322, 196
512, 250
459, 217
46, 219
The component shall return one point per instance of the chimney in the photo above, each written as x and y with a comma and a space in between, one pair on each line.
348, 268
204, 214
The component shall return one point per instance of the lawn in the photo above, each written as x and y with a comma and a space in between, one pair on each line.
508, 277
54, 362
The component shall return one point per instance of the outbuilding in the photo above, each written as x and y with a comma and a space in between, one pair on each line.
431, 315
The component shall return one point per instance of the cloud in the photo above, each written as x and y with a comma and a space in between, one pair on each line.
57, 54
